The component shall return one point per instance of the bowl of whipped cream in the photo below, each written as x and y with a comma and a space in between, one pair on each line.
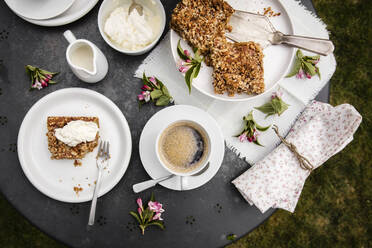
131, 33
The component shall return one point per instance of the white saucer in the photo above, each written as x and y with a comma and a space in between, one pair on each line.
78, 9
164, 118
39, 9
57, 178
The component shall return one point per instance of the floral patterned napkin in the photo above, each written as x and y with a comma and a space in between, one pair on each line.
319, 133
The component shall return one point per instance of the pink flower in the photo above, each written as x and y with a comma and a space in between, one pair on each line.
146, 95
140, 97
308, 75
188, 61
139, 203
250, 139
46, 80
300, 74
183, 69
49, 76
43, 83
156, 207
316, 61
187, 53
145, 87
153, 80
157, 216
243, 137
139, 210
37, 85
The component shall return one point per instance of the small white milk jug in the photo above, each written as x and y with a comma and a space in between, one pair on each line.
85, 59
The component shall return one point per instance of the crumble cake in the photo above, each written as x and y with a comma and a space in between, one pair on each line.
238, 67
60, 150
200, 21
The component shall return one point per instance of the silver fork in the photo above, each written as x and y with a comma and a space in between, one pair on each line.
103, 157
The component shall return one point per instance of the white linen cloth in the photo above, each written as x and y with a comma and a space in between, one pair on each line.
297, 92
319, 133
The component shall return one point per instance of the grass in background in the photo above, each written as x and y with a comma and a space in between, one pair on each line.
335, 207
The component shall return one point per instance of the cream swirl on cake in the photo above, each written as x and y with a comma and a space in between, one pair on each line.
76, 132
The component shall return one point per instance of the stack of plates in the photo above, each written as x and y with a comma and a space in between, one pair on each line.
51, 12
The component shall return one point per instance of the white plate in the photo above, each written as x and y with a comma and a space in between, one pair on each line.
56, 178
164, 118
78, 9
39, 9
276, 61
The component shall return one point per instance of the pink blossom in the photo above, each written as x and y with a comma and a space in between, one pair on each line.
145, 87
140, 97
250, 139
187, 53
300, 74
37, 85
183, 69
156, 207
49, 76
46, 80
188, 61
308, 75
157, 216
243, 137
146, 95
316, 61
139, 210
43, 83
153, 80
139, 203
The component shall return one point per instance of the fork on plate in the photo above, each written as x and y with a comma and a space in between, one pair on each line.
103, 157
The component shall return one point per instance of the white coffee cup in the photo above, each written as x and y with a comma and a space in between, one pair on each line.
205, 157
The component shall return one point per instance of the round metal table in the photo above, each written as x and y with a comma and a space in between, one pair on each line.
197, 218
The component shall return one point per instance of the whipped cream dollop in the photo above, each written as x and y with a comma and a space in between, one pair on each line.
76, 132
131, 32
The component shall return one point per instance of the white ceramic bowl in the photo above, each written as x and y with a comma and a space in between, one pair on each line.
108, 6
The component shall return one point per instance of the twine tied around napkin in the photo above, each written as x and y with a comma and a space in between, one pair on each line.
304, 162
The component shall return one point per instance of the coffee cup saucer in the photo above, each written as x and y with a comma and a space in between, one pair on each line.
163, 118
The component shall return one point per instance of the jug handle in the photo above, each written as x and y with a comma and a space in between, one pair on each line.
70, 37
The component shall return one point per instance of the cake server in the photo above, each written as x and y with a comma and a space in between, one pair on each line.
249, 26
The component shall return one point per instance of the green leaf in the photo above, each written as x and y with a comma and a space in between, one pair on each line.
181, 52
163, 101
299, 54
309, 68
165, 91
135, 215
261, 128
231, 237
280, 105
257, 143
152, 198
52, 82
318, 72
295, 69
189, 76
196, 70
267, 109
157, 223
249, 117
155, 94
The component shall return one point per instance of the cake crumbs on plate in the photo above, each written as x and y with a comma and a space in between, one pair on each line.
269, 12
77, 189
77, 163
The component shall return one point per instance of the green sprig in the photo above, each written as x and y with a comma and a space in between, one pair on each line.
275, 106
195, 64
305, 66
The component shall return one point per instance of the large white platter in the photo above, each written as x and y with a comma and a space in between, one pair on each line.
78, 9
162, 119
276, 61
56, 178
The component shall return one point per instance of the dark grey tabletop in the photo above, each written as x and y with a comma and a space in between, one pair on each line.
214, 210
